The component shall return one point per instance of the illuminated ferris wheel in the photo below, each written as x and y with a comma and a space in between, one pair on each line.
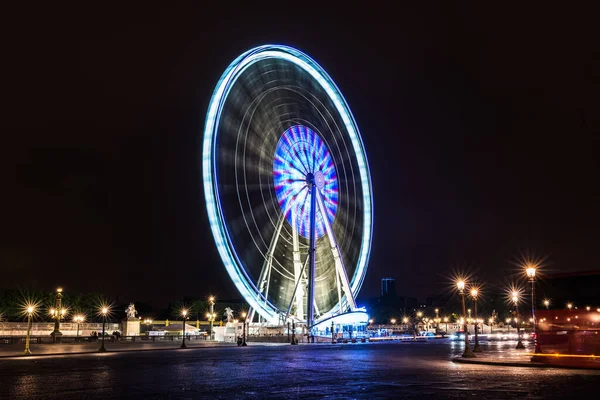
287, 186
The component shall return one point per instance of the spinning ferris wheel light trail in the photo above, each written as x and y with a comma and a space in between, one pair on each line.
287, 187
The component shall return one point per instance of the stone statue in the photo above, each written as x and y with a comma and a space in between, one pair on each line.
131, 312
229, 314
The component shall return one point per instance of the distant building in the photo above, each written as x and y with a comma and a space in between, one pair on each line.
388, 287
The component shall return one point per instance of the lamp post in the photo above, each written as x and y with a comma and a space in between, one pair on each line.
531, 275
244, 315
547, 303
104, 312
515, 299
570, 306
30, 309
78, 319
148, 322
474, 293
211, 302
461, 289
183, 315
416, 327
332, 333
57, 314
437, 318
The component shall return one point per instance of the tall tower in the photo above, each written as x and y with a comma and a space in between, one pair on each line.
388, 287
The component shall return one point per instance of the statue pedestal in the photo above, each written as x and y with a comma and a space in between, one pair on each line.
131, 327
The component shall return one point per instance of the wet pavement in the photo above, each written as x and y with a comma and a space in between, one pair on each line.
341, 371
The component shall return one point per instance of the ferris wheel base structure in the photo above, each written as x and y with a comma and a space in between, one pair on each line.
287, 188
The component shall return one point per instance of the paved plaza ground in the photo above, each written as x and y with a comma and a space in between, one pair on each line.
341, 371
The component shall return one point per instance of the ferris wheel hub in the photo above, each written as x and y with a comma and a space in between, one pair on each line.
319, 180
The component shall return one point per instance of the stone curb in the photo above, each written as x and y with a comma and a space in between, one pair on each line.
111, 351
522, 364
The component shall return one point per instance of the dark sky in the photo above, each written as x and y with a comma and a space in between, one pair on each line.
481, 127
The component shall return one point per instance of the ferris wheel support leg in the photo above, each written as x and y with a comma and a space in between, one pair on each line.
265, 272
337, 256
298, 294
310, 302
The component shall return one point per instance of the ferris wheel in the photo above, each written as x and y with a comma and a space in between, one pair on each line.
287, 186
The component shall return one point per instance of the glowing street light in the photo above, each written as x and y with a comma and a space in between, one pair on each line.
547, 303
515, 299
184, 313
570, 306
244, 315
393, 321
405, 320
104, 311
460, 284
57, 313
211, 303
30, 310
474, 293
531, 270
79, 318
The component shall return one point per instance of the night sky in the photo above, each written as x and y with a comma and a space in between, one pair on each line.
481, 128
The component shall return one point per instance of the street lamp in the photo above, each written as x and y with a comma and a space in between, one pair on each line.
29, 310
211, 302
104, 313
78, 319
460, 284
569, 306
474, 293
547, 303
531, 270
515, 299
437, 322
244, 330
184, 313
57, 313
393, 321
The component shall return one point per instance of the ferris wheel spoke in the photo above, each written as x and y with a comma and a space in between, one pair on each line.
337, 255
